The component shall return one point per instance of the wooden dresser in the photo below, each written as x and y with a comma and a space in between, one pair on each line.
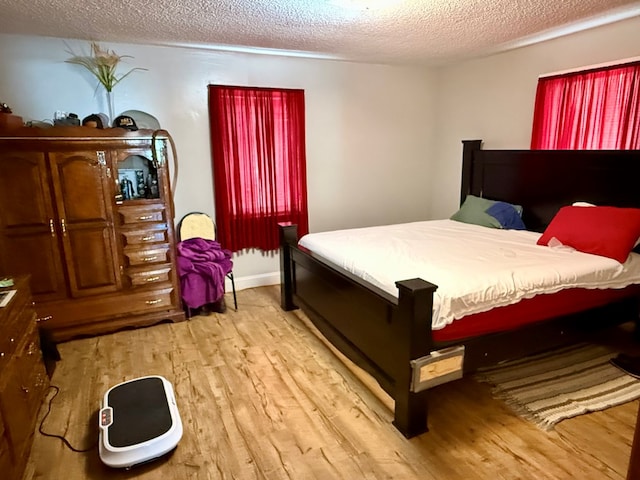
23, 379
88, 213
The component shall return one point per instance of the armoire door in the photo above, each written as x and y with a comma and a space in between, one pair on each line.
84, 201
29, 241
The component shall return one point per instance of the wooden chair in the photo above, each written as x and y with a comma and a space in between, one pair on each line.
200, 225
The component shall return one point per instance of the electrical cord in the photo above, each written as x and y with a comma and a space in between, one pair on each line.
66, 442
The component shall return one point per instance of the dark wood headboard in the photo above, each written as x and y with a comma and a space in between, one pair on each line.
542, 181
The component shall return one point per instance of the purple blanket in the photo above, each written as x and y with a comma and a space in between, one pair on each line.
202, 266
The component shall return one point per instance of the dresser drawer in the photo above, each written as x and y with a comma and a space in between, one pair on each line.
14, 330
144, 237
160, 299
149, 277
147, 256
19, 418
7, 350
8, 345
34, 380
136, 215
127, 303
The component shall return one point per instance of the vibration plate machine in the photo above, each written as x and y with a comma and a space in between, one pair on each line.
139, 422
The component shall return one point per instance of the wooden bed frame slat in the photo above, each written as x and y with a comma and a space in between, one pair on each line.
387, 335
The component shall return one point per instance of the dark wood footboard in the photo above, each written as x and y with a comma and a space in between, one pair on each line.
376, 331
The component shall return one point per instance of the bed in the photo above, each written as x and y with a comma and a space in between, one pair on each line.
392, 336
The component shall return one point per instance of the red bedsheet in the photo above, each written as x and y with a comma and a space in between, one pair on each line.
538, 308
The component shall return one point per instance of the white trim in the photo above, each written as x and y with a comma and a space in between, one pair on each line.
249, 49
253, 281
592, 67
615, 15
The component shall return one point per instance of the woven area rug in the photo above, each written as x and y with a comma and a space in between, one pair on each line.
561, 384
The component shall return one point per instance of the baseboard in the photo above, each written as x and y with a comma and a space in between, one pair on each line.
253, 281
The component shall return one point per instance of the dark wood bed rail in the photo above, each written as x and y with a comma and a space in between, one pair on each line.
391, 337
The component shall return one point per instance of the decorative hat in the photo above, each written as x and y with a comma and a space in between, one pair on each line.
91, 119
125, 121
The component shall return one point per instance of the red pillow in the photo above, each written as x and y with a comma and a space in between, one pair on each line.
607, 231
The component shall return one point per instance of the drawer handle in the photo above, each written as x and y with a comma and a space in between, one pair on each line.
32, 348
12, 340
149, 259
153, 302
44, 319
150, 237
152, 279
145, 217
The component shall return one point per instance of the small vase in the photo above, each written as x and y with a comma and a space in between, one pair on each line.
110, 107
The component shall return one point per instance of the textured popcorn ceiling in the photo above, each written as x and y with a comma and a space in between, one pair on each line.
386, 31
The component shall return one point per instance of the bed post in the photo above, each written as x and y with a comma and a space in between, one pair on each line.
288, 237
468, 148
413, 325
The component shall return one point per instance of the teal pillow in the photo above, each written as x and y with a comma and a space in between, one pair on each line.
474, 210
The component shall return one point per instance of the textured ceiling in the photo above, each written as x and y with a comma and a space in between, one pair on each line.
381, 31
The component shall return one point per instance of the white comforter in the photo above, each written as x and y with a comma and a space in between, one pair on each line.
475, 268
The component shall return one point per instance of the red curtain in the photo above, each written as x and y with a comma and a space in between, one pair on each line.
589, 110
259, 164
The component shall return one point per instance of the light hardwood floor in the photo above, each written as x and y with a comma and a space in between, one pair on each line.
261, 397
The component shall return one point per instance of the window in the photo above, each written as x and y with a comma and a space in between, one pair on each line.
259, 164
592, 109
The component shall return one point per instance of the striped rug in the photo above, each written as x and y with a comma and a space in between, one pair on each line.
561, 384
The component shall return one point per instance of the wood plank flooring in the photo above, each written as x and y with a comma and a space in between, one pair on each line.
261, 397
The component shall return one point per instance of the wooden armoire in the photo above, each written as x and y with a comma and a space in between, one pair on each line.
88, 214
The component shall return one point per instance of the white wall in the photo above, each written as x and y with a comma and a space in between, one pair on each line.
369, 127
492, 98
